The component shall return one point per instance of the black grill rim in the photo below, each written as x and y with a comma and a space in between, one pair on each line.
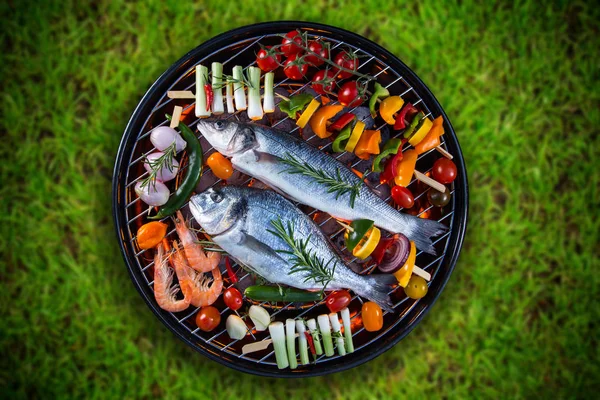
455, 239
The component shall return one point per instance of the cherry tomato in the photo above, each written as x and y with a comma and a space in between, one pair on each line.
372, 316
323, 81
208, 318
338, 300
416, 287
350, 95
289, 44
233, 298
346, 60
294, 69
220, 166
444, 171
318, 47
267, 60
438, 199
403, 197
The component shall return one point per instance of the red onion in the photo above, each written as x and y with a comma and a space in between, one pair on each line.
153, 194
165, 174
395, 255
163, 136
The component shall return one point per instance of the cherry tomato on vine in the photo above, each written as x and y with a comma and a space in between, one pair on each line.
295, 68
208, 318
372, 316
350, 94
338, 300
290, 43
403, 197
233, 298
346, 60
444, 171
319, 48
323, 81
267, 59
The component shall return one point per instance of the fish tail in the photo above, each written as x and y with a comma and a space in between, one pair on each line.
422, 232
377, 288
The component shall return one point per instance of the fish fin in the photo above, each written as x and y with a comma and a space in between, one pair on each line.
377, 289
255, 245
423, 231
244, 139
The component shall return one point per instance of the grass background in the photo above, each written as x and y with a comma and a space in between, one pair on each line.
519, 318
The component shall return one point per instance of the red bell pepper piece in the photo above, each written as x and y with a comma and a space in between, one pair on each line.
341, 122
209, 96
401, 118
382, 246
391, 166
232, 276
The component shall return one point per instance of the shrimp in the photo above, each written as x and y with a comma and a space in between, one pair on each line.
204, 293
164, 293
194, 252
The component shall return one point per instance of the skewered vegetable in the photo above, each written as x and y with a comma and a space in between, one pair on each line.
260, 317
432, 139
413, 125
444, 171
402, 196
302, 341
233, 298
295, 104
229, 98
393, 254
277, 332
421, 131
220, 166
406, 168
255, 111
340, 141
217, 88
321, 117
325, 329
308, 113
372, 316
402, 116
269, 97
337, 333
416, 287
236, 327
357, 232
341, 122
275, 293
208, 318
357, 131
366, 247
314, 332
403, 274
391, 147
338, 300
347, 329
389, 107
150, 234
202, 102
379, 92
368, 144
163, 137
290, 338
238, 88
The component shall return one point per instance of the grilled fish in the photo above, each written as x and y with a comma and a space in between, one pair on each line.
243, 222
265, 153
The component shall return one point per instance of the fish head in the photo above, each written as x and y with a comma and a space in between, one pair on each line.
216, 210
227, 137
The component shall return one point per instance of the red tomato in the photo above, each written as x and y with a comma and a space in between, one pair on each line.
208, 318
444, 171
289, 44
403, 197
338, 300
267, 60
346, 60
350, 95
317, 47
233, 298
294, 69
322, 83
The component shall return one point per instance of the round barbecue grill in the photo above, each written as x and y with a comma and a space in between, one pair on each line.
238, 47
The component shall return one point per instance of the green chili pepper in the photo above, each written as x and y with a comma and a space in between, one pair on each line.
339, 143
391, 147
379, 93
412, 128
194, 171
360, 229
294, 104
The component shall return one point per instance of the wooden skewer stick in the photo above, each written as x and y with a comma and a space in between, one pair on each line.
180, 94
444, 152
430, 182
345, 225
176, 116
422, 273
257, 346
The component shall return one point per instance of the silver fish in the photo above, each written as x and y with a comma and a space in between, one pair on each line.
242, 221
261, 152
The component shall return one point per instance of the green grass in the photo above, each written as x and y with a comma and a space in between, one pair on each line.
518, 319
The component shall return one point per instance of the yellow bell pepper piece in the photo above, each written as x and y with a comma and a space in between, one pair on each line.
421, 133
355, 136
310, 110
406, 168
364, 250
389, 107
404, 273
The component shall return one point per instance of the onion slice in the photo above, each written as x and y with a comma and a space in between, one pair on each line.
395, 255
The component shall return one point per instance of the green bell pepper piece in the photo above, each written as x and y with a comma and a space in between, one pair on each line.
379, 93
339, 143
391, 147
360, 229
412, 128
295, 104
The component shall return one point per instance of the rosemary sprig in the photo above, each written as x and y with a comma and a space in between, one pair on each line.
164, 161
335, 183
303, 258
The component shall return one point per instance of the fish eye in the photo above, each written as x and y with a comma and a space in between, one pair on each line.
216, 197
220, 125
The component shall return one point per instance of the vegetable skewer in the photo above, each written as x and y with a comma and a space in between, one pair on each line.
277, 331
325, 328
217, 88
337, 333
302, 342
290, 338
347, 330
202, 105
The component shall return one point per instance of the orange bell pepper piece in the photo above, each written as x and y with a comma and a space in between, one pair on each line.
432, 139
318, 121
406, 168
368, 144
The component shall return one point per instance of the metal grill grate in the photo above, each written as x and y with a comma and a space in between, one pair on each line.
218, 342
